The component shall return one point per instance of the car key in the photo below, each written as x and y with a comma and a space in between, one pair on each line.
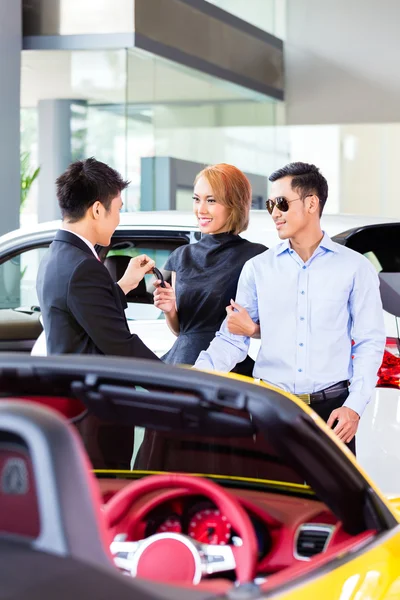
157, 273
159, 276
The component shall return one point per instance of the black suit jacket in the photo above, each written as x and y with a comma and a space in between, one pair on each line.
82, 308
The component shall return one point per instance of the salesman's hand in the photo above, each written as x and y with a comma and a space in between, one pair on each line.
239, 321
135, 271
164, 298
347, 424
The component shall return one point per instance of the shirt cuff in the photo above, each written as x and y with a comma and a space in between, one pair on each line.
356, 402
203, 363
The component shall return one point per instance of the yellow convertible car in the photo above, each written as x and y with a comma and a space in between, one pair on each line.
133, 479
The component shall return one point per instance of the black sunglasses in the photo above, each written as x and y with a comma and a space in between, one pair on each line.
281, 203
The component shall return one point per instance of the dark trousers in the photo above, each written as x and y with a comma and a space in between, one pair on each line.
324, 409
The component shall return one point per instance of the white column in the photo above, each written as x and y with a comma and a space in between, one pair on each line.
54, 153
10, 73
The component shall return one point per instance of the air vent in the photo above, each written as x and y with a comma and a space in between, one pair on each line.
312, 539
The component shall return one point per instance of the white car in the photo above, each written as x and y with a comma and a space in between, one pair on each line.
158, 234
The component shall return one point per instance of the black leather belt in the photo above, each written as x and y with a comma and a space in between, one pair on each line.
329, 393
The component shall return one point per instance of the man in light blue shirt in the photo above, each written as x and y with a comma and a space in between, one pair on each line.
316, 305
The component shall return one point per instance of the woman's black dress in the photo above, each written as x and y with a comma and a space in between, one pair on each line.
207, 275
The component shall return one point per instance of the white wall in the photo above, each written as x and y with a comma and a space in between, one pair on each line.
342, 61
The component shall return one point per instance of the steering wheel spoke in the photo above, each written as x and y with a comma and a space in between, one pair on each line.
211, 558
123, 554
216, 559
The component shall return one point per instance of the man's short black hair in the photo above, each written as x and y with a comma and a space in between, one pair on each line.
306, 179
85, 182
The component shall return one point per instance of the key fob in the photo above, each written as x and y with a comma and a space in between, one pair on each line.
159, 276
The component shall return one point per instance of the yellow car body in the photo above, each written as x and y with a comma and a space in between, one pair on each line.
365, 568
371, 574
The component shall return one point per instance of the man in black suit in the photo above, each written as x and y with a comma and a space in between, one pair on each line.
82, 307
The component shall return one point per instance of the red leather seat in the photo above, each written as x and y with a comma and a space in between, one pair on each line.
54, 479
19, 511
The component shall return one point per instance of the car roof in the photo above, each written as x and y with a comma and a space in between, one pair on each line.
173, 220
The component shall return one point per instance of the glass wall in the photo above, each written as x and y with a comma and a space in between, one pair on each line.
95, 84
29, 159
127, 105
183, 114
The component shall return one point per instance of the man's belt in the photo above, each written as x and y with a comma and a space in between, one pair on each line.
327, 394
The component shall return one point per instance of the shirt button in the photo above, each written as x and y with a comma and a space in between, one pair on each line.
301, 318
300, 370
304, 267
301, 344
302, 292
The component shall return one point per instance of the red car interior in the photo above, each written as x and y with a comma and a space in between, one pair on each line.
19, 510
281, 516
125, 506
28, 434
70, 408
118, 507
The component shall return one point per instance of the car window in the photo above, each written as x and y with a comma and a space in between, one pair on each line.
385, 257
18, 276
18, 279
373, 259
380, 244
140, 301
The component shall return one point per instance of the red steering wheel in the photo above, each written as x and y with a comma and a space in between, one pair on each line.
173, 557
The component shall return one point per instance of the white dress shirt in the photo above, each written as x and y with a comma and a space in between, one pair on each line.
309, 313
86, 242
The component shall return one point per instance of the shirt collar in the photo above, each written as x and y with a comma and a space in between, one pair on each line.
326, 243
86, 242
282, 247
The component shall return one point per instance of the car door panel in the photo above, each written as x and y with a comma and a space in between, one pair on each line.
19, 330
143, 317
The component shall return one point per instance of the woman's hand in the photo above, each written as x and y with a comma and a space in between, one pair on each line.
164, 298
239, 321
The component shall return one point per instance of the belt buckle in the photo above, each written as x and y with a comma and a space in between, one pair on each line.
306, 398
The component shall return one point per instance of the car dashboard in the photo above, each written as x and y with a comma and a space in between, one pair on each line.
289, 529
201, 520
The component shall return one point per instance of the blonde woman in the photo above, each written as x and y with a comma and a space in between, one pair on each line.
205, 274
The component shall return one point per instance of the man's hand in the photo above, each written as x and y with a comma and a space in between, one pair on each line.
347, 425
135, 271
164, 298
239, 321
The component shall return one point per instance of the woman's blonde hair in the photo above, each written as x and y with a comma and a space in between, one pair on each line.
232, 189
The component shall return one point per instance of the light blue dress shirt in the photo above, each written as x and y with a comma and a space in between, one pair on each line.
309, 313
